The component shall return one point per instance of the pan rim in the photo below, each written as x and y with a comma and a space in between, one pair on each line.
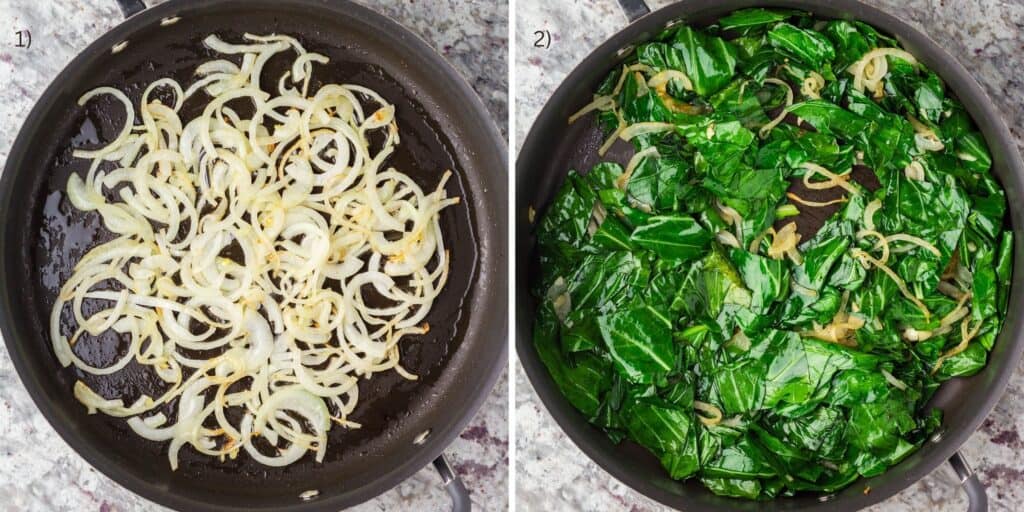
982, 110
490, 218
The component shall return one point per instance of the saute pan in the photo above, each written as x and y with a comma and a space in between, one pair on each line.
552, 148
406, 424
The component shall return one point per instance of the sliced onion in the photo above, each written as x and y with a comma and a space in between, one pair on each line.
834, 180
877, 59
638, 129
125, 130
712, 415
869, 213
911, 239
865, 257
966, 335
896, 383
662, 78
784, 242
281, 332
812, 85
882, 243
925, 138
623, 181
728, 239
766, 129
598, 103
815, 204
914, 171
614, 135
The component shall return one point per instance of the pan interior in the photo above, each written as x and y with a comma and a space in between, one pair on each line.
552, 149
53, 236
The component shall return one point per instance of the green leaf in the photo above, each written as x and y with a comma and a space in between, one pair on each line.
603, 175
1004, 270
744, 184
964, 364
929, 98
973, 152
613, 235
767, 279
741, 460
672, 236
562, 231
935, 213
888, 144
988, 215
747, 18
878, 426
713, 291
983, 285
582, 384
565, 221
665, 283
719, 143
657, 182
850, 44
818, 262
829, 118
802, 307
669, 432
602, 281
579, 332
790, 147
848, 273
639, 341
733, 487
740, 101
806, 46
739, 387
639, 106
709, 62
822, 432
788, 377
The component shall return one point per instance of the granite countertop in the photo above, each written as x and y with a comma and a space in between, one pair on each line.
39, 470
985, 35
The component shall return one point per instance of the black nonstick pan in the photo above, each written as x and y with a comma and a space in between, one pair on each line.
553, 147
443, 125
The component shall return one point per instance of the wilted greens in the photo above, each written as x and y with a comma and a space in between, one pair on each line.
691, 303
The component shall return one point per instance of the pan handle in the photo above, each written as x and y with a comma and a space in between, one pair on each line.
634, 9
130, 7
977, 500
453, 484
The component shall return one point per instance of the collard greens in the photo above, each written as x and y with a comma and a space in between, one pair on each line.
679, 310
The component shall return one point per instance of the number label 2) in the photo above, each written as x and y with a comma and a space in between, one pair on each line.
543, 39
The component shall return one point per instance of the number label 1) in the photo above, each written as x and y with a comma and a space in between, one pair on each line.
23, 39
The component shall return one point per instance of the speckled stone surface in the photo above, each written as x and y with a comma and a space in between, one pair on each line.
38, 471
988, 38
